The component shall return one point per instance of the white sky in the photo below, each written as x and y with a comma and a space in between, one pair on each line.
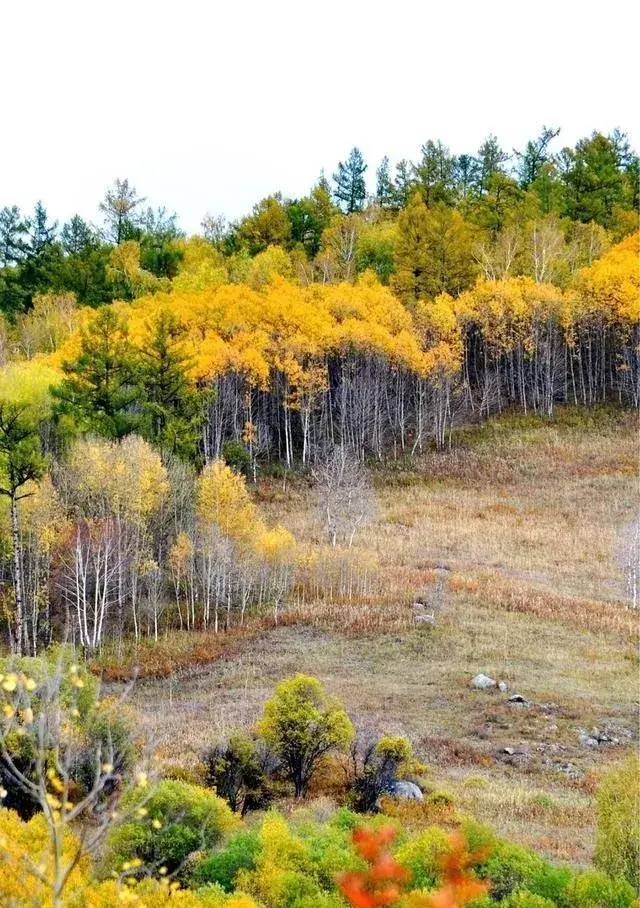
209, 106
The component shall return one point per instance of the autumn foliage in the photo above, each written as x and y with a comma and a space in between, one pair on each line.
385, 882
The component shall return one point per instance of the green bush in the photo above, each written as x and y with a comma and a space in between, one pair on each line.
594, 889
238, 770
237, 456
100, 731
618, 837
167, 825
510, 867
420, 855
525, 899
222, 866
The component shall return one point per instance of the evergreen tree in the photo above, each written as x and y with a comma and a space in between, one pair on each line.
170, 404
385, 190
433, 251
119, 208
466, 175
594, 177
535, 156
491, 157
14, 231
21, 462
78, 238
350, 187
436, 173
100, 388
405, 183
41, 233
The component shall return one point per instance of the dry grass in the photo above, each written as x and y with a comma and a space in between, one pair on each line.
529, 522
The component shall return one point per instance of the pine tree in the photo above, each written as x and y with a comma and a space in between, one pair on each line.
119, 207
535, 156
100, 387
385, 190
491, 157
21, 462
436, 172
350, 188
405, 183
170, 405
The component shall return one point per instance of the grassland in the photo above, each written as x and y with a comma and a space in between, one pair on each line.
518, 537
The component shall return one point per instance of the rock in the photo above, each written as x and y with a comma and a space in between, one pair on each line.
482, 682
503, 686
406, 791
424, 619
567, 768
552, 727
518, 700
587, 740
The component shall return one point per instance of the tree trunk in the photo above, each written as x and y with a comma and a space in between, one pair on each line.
18, 585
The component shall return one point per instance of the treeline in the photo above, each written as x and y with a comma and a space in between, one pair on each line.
487, 210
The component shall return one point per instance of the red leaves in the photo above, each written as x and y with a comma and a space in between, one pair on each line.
380, 883
459, 885
384, 881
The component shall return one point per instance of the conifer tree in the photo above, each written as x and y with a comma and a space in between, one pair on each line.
350, 188
170, 404
99, 390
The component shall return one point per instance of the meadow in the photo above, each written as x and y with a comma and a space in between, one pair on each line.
518, 541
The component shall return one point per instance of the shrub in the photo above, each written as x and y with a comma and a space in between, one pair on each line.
618, 837
524, 899
510, 867
421, 855
594, 889
168, 825
238, 771
222, 867
377, 765
286, 873
302, 724
237, 456
107, 733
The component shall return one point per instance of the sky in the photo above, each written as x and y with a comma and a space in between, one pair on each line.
208, 106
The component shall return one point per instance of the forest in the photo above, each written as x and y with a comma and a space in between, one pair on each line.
209, 440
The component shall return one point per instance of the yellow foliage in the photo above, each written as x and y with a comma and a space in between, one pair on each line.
223, 501
128, 475
611, 286
28, 384
25, 851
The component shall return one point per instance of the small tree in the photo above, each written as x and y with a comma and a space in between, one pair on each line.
347, 500
238, 770
377, 765
302, 724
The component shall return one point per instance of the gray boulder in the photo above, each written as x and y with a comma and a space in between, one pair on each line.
405, 791
482, 682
